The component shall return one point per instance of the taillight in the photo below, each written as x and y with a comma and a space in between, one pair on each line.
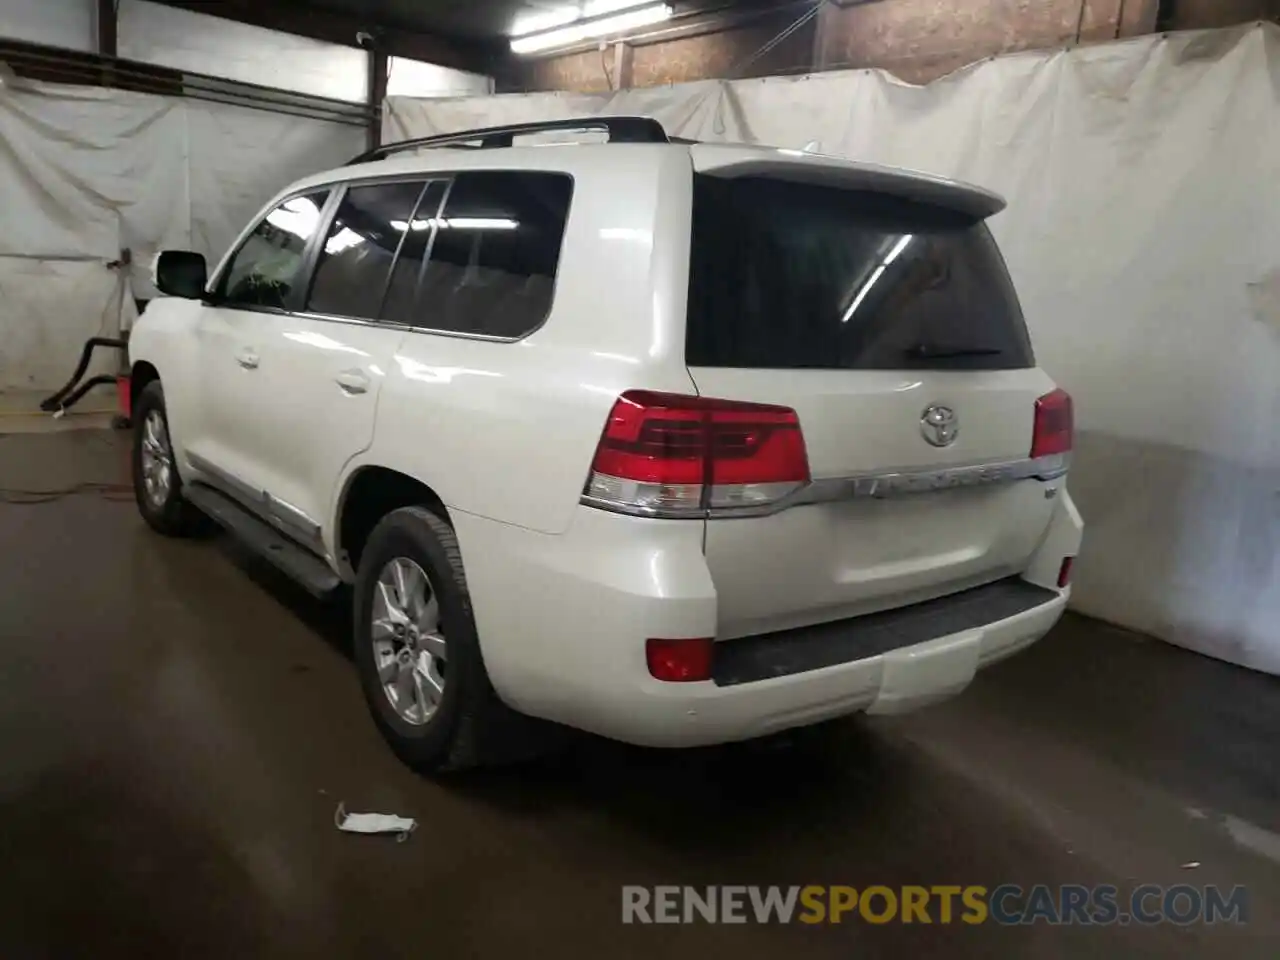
1054, 425
662, 454
1064, 571
679, 661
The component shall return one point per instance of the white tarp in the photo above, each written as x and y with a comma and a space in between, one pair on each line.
1144, 237
203, 43
85, 172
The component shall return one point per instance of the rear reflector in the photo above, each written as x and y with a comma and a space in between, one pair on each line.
1054, 426
679, 661
668, 455
1064, 572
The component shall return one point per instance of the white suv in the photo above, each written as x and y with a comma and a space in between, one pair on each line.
674, 442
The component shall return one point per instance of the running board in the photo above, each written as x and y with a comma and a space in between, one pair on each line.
295, 561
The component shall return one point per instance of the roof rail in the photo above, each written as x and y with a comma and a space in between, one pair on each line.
620, 130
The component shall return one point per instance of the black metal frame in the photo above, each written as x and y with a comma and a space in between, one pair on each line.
56, 65
620, 130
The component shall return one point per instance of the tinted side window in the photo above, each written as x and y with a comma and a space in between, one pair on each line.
355, 260
403, 290
495, 254
262, 273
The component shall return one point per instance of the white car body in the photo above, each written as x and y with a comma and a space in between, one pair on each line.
288, 409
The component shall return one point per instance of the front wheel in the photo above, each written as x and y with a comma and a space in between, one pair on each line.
156, 484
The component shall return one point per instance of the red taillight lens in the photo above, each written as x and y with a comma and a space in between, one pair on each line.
1064, 572
1055, 425
654, 442
679, 661
667, 454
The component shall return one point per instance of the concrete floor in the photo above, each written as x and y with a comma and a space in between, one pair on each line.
177, 726
20, 412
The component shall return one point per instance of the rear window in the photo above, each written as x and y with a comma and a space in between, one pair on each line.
790, 275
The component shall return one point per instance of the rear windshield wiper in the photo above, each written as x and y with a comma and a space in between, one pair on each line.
941, 351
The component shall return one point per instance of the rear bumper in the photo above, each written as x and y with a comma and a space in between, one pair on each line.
898, 681
563, 620
901, 680
789, 652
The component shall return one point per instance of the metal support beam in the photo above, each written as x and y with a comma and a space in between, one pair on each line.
623, 57
107, 33
377, 94
821, 26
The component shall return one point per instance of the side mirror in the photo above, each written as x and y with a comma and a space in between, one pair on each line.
180, 273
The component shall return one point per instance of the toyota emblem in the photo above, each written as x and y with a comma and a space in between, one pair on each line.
939, 425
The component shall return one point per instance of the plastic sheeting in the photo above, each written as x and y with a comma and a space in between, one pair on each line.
203, 43
1143, 233
86, 172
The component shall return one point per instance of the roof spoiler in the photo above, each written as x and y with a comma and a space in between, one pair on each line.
804, 167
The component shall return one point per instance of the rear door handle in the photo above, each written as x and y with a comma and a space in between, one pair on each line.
247, 359
352, 381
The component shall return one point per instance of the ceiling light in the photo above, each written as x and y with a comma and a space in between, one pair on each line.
545, 20
458, 223
540, 20
598, 8
587, 29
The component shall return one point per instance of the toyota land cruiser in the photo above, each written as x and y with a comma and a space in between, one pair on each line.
675, 442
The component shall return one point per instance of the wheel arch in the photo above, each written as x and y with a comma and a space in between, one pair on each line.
141, 375
369, 493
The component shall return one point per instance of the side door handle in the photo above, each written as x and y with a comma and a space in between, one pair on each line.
247, 359
352, 381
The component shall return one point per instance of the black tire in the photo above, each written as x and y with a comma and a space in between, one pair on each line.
470, 723
174, 517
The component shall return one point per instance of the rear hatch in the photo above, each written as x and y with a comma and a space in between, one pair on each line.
880, 310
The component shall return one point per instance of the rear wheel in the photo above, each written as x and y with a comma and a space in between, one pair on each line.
157, 485
416, 647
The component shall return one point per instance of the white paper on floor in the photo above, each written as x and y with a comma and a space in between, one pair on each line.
374, 823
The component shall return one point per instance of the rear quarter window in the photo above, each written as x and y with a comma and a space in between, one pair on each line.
788, 275
494, 254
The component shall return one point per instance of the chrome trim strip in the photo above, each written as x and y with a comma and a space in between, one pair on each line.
282, 515
652, 513
290, 515
896, 483
404, 327
231, 485
353, 321
869, 486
